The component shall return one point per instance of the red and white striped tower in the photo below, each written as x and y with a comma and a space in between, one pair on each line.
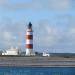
29, 40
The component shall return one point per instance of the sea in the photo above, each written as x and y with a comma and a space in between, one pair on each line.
37, 71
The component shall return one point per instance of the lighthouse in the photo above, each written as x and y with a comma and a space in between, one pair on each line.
29, 40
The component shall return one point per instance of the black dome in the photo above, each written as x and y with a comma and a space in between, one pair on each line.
29, 25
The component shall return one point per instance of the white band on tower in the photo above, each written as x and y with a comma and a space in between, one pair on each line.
29, 41
29, 33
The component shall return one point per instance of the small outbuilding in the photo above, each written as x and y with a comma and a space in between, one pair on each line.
45, 54
11, 51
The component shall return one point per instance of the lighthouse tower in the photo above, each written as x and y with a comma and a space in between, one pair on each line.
29, 40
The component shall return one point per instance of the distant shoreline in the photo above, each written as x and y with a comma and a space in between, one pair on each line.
17, 61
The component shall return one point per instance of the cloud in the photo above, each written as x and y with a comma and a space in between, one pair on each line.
7, 38
2, 2
46, 35
71, 34
51, 38
59, 4
7, 35
12, 34
40, 5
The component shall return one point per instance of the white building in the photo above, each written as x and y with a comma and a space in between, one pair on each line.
11, 51
45, 54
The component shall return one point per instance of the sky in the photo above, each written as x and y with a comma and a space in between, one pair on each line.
53, 24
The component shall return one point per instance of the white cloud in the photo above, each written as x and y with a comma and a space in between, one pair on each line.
7, 35
12, 34
40, 5
72, 30
47, 36
71, 34
2, 2
7, 38
59, 4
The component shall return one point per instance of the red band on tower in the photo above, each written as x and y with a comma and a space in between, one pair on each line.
29, 46
29, 37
